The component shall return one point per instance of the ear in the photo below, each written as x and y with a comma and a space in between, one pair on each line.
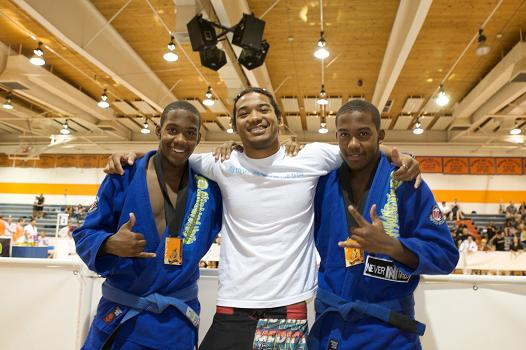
158, 131
198, 138
381, 135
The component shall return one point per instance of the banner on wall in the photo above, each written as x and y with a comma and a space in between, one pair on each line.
430, 164
508, 166
481, 166
456, 165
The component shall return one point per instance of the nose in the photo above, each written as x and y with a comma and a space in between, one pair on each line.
254, 116
353, 143
179, 138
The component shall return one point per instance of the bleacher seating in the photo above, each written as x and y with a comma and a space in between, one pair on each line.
47, 223
481, 221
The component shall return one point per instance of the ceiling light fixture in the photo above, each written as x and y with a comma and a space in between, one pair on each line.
230, 130
482, 48
103, 102
145, 127
171, 56
7, 104
65, 128
442, 99
38, 57
208, 101
417, 130
321, 52
515, 130
322, 99
323, 128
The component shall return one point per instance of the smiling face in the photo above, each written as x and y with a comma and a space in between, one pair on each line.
257, 125
359, 139
179, 135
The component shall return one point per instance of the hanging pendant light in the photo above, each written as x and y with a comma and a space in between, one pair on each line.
171, 56
38, 58
208, 101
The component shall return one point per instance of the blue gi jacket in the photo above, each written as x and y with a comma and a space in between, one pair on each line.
117, 197
410, 215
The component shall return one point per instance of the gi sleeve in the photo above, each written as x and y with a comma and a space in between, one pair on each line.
101, 222
424, 231
204, 164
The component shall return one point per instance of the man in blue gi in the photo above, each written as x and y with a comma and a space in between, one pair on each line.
367, 276
146, 234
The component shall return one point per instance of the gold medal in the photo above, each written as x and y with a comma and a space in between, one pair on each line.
353, 256
173, 251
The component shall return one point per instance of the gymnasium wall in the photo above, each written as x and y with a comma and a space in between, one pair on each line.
70, 185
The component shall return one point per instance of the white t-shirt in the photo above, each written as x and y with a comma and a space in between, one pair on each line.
267, 248
30, 230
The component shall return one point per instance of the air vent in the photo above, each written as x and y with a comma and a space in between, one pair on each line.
387, 106
13, 85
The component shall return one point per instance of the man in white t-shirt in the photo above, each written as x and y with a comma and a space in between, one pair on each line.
268, 262
30, 231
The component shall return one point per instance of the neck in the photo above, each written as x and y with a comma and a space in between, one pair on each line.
172, 173
255, 153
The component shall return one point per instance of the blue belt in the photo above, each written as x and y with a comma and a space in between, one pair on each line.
154, 302
386, 311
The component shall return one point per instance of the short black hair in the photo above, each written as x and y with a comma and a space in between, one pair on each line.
258, 90
187, 106
361, 106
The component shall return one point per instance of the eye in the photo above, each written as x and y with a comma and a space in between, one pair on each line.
171, 131
191, 133
343, 134
364, 133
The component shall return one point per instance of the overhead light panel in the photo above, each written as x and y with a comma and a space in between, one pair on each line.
103, 102
515, 130
209, 97
7, 104
482, 48
442, 99
65, 129
38, 58
171, 56
230, 130
417, 129
145, 127
321, 51
322, 99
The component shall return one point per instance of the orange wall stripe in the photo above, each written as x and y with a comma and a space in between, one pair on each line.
33, 188
468, 196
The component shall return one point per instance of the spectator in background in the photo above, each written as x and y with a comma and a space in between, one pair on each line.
3, 225
516, 245
491, 230
456, 212
445, 209
522, 233
19, 233
511, 210
30, 231
483, 246
468, 245
10, 227
38, 206
43, 241
498, 241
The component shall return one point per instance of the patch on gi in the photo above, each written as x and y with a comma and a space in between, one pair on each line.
116, 311
436, 216
384, 269
332, 345
94, 205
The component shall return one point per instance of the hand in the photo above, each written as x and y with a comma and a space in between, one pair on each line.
126, 243
369, 237
117, 160
409, 167
292, 147
223, 152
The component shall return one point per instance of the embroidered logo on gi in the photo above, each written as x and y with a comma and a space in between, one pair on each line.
436, 216
384, 269
194, 220
389, 213
116, 311
94, 205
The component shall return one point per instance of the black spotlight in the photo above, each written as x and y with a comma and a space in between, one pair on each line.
248, 33
213, 58
202, 33
251, 59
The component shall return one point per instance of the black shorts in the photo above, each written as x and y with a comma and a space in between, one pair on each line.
250, 329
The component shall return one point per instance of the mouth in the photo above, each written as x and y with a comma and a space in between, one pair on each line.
257, 130
177, 150
355, 156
